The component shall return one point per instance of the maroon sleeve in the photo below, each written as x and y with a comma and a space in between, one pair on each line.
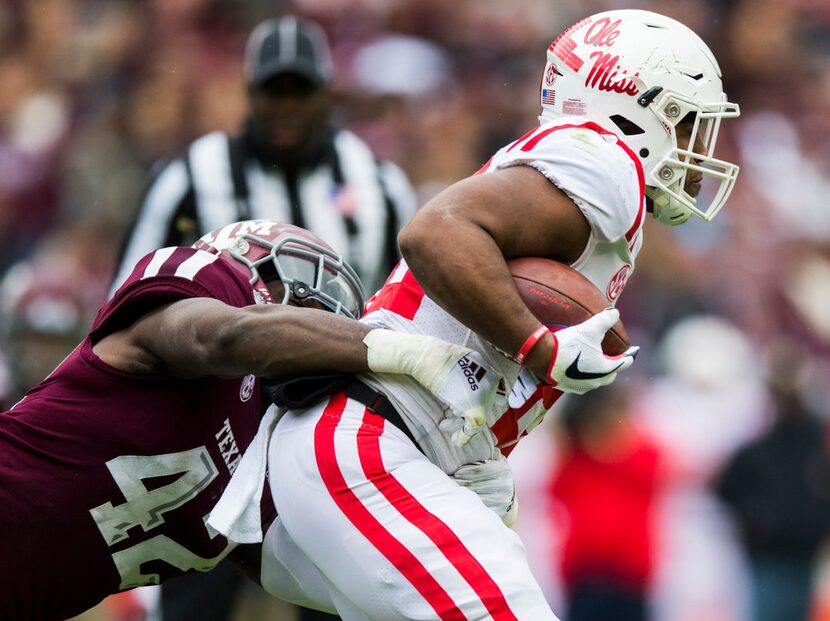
168, 275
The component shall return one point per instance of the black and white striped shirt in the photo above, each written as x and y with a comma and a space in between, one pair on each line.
354, 202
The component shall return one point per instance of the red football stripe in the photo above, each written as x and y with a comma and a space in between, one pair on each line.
506, 430
512, 146
366, 523
641, 178
564, 45
564, 51
484, 168
368, 441
373, 301
403, 298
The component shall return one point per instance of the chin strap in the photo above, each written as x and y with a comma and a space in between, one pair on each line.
666, 209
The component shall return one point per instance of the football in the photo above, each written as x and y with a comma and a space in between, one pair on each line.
560, 296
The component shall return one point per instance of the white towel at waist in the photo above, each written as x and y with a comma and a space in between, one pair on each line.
237, 515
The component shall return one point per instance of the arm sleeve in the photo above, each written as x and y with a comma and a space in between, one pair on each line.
167, 275
169, 196
594, 170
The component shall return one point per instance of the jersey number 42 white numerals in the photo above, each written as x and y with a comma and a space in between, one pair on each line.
146, 508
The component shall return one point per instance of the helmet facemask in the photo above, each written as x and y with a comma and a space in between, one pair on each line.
306, 270
672, 204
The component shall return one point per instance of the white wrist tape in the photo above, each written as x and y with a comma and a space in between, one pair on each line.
425, 358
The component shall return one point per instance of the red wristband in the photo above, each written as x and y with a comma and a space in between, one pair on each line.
530, 343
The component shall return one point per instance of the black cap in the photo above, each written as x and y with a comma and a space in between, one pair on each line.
288, 45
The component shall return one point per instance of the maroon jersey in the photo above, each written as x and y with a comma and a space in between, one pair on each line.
106, 478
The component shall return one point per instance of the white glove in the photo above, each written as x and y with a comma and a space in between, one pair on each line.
578, 363
492, 481
469, 390
458, 377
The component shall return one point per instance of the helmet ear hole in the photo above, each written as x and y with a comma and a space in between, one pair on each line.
689, 117
627, 127
268, 272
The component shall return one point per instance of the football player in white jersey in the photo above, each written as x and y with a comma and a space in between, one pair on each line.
383, 520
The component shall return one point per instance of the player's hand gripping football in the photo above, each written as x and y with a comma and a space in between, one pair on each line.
578, 363
458, 377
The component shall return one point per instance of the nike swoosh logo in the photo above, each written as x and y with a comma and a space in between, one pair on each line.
573, 371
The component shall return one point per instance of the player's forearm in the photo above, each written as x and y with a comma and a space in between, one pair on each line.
200, 337
278, 341
460, 267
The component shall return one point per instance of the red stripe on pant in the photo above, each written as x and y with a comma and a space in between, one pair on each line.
394, 551
453, 549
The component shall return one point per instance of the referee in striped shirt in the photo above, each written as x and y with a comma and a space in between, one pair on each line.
288, 164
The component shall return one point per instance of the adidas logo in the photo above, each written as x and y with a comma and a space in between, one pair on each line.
472, 371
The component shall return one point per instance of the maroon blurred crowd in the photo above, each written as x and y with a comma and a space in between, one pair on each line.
94, 92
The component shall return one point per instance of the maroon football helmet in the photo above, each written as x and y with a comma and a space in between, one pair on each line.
308, 268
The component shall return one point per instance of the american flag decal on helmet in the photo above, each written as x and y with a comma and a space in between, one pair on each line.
548, 96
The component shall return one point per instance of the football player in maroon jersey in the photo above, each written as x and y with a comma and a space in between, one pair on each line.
111, 465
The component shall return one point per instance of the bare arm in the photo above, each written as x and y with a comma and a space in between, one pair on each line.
457, 244
201, 336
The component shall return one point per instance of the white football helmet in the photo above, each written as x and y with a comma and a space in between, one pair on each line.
264, 250
639, 74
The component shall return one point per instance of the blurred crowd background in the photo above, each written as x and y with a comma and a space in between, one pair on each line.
732, 316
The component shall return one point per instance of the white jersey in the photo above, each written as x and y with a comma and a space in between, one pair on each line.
605, 180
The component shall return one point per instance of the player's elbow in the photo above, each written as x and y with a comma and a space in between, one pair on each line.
414, 239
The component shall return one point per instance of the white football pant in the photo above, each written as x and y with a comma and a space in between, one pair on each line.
371, 529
